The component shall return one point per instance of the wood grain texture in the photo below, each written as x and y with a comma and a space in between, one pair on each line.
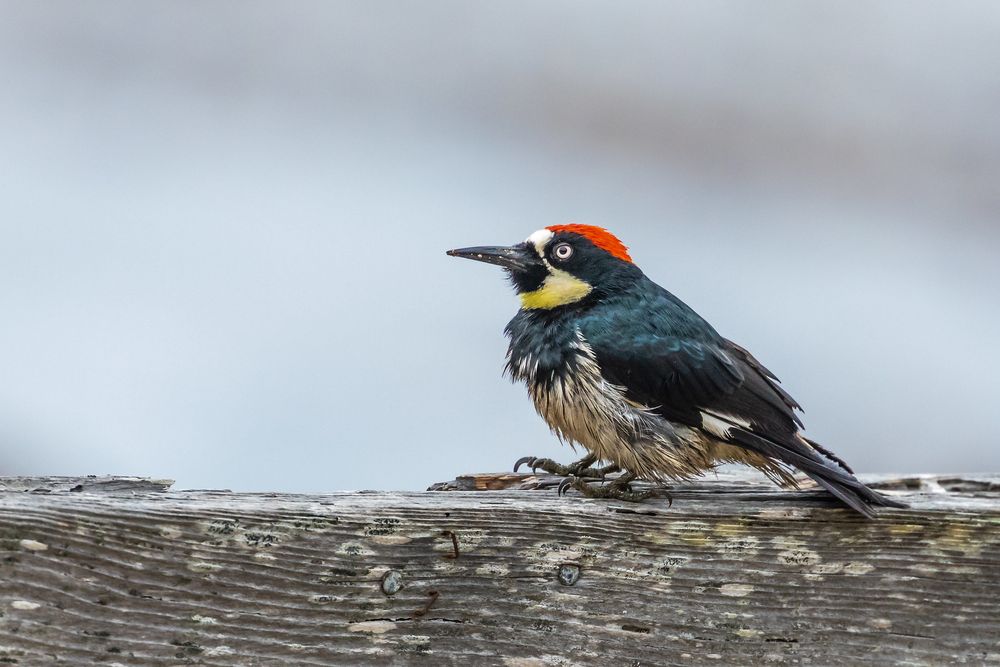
733, 573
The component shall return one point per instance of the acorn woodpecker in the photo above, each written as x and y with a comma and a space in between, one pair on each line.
621, 366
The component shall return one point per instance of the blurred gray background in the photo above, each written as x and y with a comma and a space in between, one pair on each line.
222, 225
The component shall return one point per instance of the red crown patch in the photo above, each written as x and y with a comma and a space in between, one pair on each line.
599, 236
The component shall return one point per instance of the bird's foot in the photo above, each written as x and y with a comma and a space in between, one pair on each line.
598, 473
581, 468
619, 488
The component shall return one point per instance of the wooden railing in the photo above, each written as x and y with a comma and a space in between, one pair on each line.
496, 569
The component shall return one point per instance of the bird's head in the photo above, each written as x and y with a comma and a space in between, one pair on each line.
561, 265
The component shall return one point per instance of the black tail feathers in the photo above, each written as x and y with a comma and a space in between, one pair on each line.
859, 498
821, 465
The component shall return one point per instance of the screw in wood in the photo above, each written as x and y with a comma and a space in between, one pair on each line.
392, 582
568, 574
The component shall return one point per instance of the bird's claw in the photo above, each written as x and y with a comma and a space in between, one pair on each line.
599, 473
618, 489
580, 468
548, 465
525, 460
580, 476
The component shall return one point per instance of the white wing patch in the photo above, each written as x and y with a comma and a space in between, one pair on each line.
719, 425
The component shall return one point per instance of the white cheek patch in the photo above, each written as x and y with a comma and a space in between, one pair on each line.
539, 239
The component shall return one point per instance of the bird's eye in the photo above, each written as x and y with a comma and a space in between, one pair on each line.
563, 251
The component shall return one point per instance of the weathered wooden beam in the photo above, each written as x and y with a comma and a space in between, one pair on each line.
121, 570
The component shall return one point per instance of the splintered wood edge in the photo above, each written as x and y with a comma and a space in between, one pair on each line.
87, 483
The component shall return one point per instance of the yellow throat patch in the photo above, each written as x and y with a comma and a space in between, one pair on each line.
558, 289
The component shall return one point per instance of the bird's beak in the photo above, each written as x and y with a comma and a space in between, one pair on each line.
513, 258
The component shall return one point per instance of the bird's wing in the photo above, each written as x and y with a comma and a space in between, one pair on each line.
769, 378
684, 379
718, 386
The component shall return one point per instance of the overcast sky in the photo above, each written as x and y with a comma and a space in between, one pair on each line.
223, 224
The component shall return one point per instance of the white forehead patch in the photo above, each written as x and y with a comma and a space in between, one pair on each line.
539, 239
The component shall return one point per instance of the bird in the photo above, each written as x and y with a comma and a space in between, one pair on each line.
617, 364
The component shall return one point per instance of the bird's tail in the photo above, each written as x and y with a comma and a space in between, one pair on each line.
859, 498
821, 465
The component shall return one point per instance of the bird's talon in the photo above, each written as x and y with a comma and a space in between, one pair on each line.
522, 461
553, 468
636, 496
547, 465
597, 473
618, 489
